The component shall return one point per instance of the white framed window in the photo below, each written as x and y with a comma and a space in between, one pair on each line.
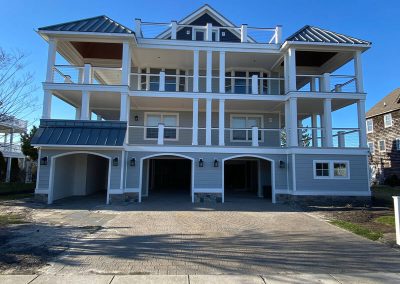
387, 120
326, 169
370, 126
371, 147
244, 124
382, 146
170, 121
199, 34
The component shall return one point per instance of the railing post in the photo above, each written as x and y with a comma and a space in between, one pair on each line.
138, 28
313, 84
209, 32
87, 74
396, 200
314, 131
174, 26
254, 85
338, 88
243, 33
341, 140
326, 82
278, 34
160, 138
254, 136
161, 86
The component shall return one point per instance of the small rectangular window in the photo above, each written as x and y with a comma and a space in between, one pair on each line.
371, 147
244, 126
370, 126
382, 146
322, 169
387, 119
340, 169
170, 125
331, 169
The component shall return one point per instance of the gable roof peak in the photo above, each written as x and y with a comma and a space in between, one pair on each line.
389, 103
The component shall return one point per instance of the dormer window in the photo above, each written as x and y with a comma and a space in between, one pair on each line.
387, 120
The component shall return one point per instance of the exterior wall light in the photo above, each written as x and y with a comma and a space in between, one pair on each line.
115, 162
43, 161
132, 162
282, 164
216, 163
201, 163
136, 118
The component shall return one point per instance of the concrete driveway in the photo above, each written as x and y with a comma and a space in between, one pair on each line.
169, 235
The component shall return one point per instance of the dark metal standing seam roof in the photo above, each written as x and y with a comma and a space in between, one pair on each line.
99, 24
78, 132
318, 35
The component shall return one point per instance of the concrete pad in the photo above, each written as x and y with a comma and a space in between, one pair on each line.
367, 278
300, 278
16, 279
225, 279
76, 279
150, 279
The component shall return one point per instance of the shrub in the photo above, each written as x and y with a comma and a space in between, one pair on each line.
392, 180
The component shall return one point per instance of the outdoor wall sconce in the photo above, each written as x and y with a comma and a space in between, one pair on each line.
201, 163
215, 163
282, 164
136, 118
43, 161
133, 162
115, 162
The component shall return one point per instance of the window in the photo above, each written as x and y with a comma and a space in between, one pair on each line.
371, 147
387, 120
331, 170
397, 144
370, 126
200, 35
170, 121
244, 124
382, 146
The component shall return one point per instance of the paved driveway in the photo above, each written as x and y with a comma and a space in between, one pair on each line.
169, 235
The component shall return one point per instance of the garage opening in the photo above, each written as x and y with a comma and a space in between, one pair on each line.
169, 175
247, 176
80, 175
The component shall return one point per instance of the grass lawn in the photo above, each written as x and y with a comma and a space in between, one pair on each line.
358, 229
387, 220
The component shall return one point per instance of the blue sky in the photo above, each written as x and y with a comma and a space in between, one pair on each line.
376, 21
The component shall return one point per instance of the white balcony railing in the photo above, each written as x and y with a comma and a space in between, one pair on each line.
13, 148
12, 122
87, 74
327, 83
341, 137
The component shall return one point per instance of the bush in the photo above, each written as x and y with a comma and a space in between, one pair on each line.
392, 180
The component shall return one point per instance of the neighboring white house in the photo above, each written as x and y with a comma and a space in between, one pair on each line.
201, 107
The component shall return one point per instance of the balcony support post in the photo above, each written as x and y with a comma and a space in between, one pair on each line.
209, 72
254, 85
85, 106
314, 125
341, 140
51, 60
221, 122
291, 69
161, 86
254, 136
293, 140
77, 113
328, 123
160, 138
126, 63
47, 98
87, 74
358, 72
195, 71
195, 128
326, 82
222, 72
208, 121
124, 107
361, 124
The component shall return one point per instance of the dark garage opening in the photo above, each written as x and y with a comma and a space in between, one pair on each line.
170, 175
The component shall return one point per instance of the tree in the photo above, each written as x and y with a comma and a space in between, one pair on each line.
26, 146
16, 86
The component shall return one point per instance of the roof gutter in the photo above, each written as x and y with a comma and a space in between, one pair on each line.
288, 44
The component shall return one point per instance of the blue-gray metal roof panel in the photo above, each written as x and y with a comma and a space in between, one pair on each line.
99, 24
318, 35
77, 132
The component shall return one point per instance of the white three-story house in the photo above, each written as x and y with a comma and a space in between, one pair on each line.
203, 108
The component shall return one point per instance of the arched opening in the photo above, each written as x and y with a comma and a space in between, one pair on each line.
167, 175
248, 176
79, 174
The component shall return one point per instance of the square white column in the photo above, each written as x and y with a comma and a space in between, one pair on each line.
195, 71
293, 122
291, 69
328, 123
126, 63
208, 121
85, 108
361, 123
124, 107
222, 72
358, 72
195, 129
51, 60
314, 125
209, 72
47, 98
221, 123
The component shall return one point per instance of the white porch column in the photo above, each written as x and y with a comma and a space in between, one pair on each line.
396, 200
341, 139
51, 59
222, 72
254, 85
195, 71
161, 86
243, 33
8, 170
195, 128
287, 123
160, 138
221, 123
286, 72
358, 72
326, 82
126, 63
293, 122
47, 97
209, 72
123, 112
254, 136
313, 84
328, 123
209, 32
77, 113
314, 125
85, 109
291, 69
208, 121
87, 74
361, 123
